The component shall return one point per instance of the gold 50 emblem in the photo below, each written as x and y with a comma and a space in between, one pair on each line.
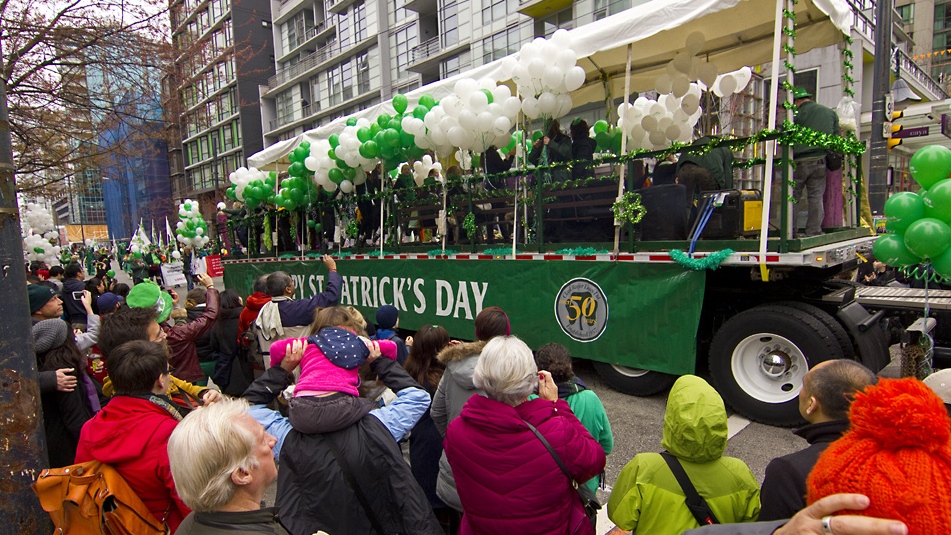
581, 310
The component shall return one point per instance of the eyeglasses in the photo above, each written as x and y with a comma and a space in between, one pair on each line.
169, 370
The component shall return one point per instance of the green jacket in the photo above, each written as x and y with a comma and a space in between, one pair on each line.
647, 499
818, 118
719, 161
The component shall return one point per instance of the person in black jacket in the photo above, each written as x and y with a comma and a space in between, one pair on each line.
314, 490
583, 147
824, 402
73, 287
231, 375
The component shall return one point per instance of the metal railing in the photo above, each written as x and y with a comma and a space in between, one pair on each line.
426, 49
310, 61
910, 68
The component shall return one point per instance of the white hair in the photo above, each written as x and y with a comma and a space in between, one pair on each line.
205, 448
506, 370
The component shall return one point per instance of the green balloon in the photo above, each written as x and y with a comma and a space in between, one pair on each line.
111, 274
311, 223
349, 173
190, 224
335, 175
930, 164
928, 237
342, 164
318, 227
391, 137
305, 145
383, 119
488, 95
395, 125
427, 100
420, 112
400, 102
903, 209
600, 126
369, 149
285, 193
352, 121
332, 153
942, 264
891, 250
296, 169
334, 140
38, 250
297, 195
231, 193
188, 207
407, 139
363, 134
476, 160
603, 139
374, 129
937, 201
387, 152
536, 135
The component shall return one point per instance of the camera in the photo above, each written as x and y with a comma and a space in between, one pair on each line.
78, 296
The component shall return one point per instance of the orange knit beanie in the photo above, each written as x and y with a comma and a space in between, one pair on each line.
897, 452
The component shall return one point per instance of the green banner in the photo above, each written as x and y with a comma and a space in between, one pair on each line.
632, 314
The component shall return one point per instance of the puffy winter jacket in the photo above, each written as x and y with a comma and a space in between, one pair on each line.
454, 390
181, 340
647, 499
251, 309
508, 482
131, 434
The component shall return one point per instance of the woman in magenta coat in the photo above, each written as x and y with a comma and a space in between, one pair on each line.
508, 482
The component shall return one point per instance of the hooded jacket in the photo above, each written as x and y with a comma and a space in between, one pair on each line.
131, 435
250, 311
182, 339
647, 499
73, 308
508, 481
454, 390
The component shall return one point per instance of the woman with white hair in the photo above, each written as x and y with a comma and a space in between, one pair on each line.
507, 479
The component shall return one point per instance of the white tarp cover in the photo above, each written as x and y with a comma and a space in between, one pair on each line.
737, 32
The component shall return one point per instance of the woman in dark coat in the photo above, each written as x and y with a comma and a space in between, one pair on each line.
425, 442
582, 148
64, 413
232, 374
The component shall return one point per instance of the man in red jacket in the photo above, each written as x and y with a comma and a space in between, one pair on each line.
131, 432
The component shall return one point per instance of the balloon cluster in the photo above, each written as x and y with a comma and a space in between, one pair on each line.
252, 186
478, 114
423, 166
545, 72
655, 124
40, 243
301, 184
191, 228
607, 137
917, 224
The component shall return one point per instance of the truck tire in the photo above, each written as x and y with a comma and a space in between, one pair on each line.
836, 328
634, 381
794, 340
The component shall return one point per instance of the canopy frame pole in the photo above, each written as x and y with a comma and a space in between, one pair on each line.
771, 144
620, 182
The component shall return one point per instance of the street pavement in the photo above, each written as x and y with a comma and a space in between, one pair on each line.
638, 423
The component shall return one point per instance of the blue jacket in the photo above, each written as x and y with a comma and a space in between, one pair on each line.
301, 312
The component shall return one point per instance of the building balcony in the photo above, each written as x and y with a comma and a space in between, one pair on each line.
538, 9
318, 33
423, 7
425, 57
321, 56
918, 79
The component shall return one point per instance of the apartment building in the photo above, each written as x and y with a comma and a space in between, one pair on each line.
335, 57
224, 52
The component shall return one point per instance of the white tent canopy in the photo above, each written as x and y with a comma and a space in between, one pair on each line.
737, 32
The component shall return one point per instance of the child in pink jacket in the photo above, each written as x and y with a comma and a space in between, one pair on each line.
326, 397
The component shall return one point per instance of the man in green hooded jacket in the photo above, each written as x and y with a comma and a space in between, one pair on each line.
647, 499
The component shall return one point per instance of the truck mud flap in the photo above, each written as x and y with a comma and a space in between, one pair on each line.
866, 330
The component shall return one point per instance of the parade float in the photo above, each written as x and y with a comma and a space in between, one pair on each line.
737, 293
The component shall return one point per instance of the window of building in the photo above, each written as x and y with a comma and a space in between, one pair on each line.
404, 41
546, 27
297, 28
285, 105
454, 65
500, 45
359, 17
604, 8
450, 24
494, 10
907, 13
363, 72
400, 12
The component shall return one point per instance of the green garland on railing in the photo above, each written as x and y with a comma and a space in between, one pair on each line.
711, 261
377, 253
582, 251
268, 243
847, 67
353, 230
439, 252
629, 208
789, 30
468, 223
499, 252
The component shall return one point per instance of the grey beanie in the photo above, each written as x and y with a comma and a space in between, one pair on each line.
49, 334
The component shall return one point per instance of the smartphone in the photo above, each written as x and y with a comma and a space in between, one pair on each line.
78, 296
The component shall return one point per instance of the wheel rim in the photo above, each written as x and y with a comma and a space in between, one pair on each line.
769, 367
630, 372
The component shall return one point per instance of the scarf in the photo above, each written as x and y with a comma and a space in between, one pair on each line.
269, 319
162, 401
573, 386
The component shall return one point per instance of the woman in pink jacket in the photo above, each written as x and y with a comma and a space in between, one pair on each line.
508, 482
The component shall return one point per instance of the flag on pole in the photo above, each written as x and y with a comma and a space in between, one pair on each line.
171, 235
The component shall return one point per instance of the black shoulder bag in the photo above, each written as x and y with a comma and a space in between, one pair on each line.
588, 498
694, 501
354, 485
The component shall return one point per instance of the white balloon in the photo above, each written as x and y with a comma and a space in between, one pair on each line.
664, 122
561, 38
725, 86
199, 231
500, 94
743, 78
695, 42
484, 121
574, 78
658, 139
457, 136
546, 103
672, 132
656, 109
661, 85
563, 105
311, 163
679, 85
530, 107
346, 186
511, 107
649, 123
508, 66
478, 101
502, 125
536, 69
553, 77
465, 86
681, 62
670, 102
689, 104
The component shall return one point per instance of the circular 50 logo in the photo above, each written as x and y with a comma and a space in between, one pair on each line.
581, 310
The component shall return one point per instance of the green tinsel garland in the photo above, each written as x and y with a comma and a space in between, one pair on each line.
352, 229
582, 251
500, 251
468, 223
378, 254
711, 261
629, 208
267, 232
439, 252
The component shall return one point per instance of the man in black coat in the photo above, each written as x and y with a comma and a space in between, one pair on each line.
824, 401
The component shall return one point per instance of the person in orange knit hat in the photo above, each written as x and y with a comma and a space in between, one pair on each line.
897, 452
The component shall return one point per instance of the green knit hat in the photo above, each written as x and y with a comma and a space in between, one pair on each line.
149, 295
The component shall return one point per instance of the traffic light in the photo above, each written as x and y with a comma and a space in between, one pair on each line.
890, 128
